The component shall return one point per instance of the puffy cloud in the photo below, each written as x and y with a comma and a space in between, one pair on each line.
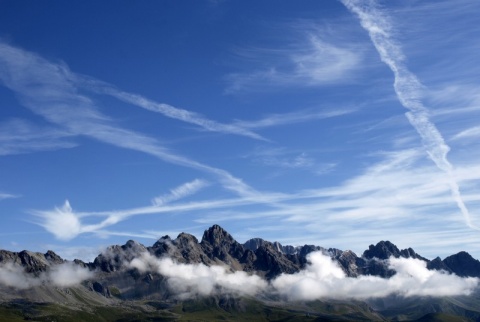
188, 280
68, 274
62, 222
62, 275
323, 278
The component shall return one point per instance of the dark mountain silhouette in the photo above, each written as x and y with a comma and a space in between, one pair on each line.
115, 279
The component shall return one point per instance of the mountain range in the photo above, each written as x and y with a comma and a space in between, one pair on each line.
219, 278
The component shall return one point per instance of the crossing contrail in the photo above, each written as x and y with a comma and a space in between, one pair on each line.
409, 91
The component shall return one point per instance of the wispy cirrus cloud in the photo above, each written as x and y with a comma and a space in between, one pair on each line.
311, 62
398, 190
180, 192
20, 136
473, 132
48, 89
280, 157
409, 91
307, 115
4, 195
166, 109
65, 223
287, 159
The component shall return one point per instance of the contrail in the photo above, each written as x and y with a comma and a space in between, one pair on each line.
165, 109
408, 89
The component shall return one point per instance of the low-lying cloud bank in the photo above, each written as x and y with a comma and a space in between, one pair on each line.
322, 278
62, 275
188, 280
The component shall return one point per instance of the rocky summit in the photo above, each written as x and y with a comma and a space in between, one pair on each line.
173, 278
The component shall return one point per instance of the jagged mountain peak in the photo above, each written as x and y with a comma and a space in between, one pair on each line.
112, 274
257, 255
382, 250
216, 235
463, 264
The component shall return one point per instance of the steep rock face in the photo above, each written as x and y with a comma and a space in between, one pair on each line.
376, 258
30, 261
253, 244
184, 249
351, 264
115, 257
53, 258
438, 264
219, 244
385, 250
299, 256
382, 250
463, 264
272, 262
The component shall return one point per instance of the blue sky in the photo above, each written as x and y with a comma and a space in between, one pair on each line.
335, 123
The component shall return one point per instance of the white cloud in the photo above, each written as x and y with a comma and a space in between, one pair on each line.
68, 274
313, 62
66, 224
180, 192
4, 195
62, 275
293, 117
20, 136
168, 110
323, 279
190, 280
282, 158
62, 222
473, 132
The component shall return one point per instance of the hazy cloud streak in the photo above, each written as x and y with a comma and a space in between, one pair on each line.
20, 136
4, 195
167, 110
292, 118
180, 192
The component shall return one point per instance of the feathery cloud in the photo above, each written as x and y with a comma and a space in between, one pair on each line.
180, 192
166, 109
473, 132
20, 136
4, 195
66, 224
292, 118
314, 62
